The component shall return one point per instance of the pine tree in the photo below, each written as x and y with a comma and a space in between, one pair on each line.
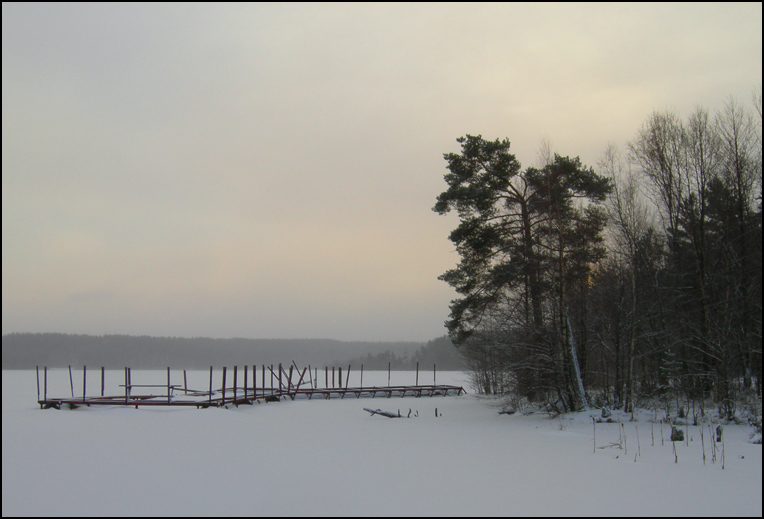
524, 238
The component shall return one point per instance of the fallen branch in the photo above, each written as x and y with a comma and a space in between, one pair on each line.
383, 413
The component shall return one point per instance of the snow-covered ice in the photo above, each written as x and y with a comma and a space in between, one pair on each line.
329, 457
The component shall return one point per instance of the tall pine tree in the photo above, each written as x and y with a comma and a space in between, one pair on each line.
524, 239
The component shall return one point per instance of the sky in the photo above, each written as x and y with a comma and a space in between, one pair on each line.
269, 170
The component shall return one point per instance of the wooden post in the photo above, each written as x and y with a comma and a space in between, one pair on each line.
361, 375
103, 379
130, 382
37, 369
210, 400
326, 374
126, 396
433, 375
302, 376
273, 377
185, 383
417, 373
223, 401
388, 374
246, 370
168, 385
45, 383
280, 370
347, 378
84, 382
310, 375
333, 384
71, 381
299, 382
234, 382
339, 377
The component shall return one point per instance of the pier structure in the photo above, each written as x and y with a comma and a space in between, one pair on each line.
236, 387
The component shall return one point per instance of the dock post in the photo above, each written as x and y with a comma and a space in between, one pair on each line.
339, 377
223, 401
71, 381
169, 389
126, 397
417, 373
347, 378
433, 375
234, 383
246, 374
84, 381
37, 369
210, 400
103, 379
388, 374
45, 383
361, 375
185, 383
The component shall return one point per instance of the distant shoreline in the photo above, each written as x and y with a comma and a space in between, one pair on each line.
27, 350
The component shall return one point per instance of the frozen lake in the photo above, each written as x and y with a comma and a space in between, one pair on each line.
329, 457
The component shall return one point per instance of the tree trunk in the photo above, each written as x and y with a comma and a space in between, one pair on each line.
577, 381
629, 404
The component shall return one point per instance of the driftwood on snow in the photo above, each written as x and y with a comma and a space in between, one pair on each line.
383, 413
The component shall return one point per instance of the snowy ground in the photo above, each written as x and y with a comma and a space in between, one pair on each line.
329, 457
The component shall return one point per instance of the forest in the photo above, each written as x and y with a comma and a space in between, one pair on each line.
635, 283
27, 350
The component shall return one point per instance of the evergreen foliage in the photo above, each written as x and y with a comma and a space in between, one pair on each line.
526, 239
640, 282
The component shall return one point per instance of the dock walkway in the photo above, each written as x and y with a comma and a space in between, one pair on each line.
179, 395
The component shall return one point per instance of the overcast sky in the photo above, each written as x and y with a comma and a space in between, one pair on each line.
268, 170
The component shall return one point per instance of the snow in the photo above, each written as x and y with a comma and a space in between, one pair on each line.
330, 457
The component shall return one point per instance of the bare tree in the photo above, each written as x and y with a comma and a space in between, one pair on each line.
656, 153
741, 172
629, 220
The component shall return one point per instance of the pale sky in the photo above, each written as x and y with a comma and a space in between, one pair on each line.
268, 170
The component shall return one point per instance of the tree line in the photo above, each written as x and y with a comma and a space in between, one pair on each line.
440, 352
638, 281
27, 350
